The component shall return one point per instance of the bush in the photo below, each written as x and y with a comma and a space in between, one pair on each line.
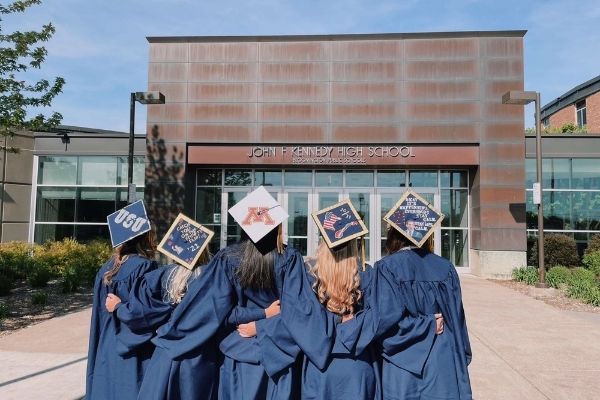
16, 259
528, 275
39, 275
82, 271
39, 299
591, 261
558, 276
584, 286
593, 244
558, 250
58, 256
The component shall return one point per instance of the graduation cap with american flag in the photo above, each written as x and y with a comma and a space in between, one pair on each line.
339, 223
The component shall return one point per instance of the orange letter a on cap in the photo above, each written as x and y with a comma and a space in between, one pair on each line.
258, 214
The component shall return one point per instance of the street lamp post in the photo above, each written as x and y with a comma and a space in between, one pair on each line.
143, 98
522, 98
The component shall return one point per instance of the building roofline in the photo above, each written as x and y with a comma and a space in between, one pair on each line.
572, 96
79, 131
333, 37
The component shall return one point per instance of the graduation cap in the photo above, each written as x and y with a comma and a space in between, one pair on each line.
128, 222
339, 223
414, 217
185, 241
258, 214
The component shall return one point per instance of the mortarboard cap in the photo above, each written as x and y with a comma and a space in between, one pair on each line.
414, 217
128, 222
258, 214
185, 241
339, 223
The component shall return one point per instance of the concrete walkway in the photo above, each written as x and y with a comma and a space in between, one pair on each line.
523, 349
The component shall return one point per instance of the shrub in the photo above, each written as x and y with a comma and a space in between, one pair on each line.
38, 275
558, 276
60, 255
591, 261
16, 259
528, 275
39, 299
583, 286
558, 250
593, 244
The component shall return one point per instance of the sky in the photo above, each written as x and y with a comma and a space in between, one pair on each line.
100, 46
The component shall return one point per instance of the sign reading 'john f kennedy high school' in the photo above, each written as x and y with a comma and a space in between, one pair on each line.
332, 155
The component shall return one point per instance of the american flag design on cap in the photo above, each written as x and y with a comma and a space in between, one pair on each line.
339, 223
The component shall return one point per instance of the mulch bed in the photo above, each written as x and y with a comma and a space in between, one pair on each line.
21, 312
561, 301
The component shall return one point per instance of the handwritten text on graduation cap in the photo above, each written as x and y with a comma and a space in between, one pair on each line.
414, 217
185, 240
127, 223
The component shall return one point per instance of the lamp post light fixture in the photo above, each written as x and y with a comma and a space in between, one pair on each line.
520, 97
143, 98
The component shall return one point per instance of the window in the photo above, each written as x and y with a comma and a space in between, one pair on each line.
76, 193
581, 113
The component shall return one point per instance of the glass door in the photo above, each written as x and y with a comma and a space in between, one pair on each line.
230, 230
296, 228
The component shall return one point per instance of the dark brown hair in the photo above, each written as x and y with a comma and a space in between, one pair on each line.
395, 241
143, 245
257, 260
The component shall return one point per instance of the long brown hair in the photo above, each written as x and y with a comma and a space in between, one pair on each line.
143, 245
257, 265
338, 282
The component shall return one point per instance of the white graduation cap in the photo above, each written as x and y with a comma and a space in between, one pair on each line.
258, 214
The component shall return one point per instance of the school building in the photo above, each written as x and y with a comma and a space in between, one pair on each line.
317, 119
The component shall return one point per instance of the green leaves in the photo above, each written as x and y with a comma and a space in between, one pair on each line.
19, 98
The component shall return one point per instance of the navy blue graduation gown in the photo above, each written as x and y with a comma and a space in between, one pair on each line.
330, 369
425, 369
117, 356
209, 306
191, 377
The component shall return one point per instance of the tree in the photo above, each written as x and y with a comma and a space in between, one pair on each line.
19, 52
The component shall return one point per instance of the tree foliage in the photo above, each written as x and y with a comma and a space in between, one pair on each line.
20, 52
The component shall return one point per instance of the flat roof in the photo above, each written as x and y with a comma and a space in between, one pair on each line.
80, 131
347, 36
579, 92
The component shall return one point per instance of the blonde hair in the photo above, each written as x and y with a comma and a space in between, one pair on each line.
143, 245
180, 277
338, 282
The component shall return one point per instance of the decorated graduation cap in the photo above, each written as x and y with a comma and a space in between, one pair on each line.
258, 214
414, 217
339, 223
127, 223
185, 241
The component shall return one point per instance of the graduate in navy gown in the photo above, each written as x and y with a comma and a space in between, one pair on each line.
151, 301
248, 275
327, 294
118, 356
427, 284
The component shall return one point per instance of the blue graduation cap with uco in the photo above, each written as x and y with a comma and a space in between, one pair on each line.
128, 222
414, 217
339, 223
185, 241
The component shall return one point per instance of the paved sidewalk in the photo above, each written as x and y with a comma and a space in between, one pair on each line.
523, 349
